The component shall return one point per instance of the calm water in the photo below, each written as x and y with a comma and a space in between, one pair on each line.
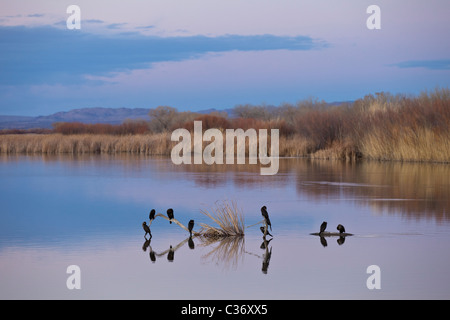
87, 211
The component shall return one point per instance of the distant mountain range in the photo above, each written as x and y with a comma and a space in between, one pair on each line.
87, 115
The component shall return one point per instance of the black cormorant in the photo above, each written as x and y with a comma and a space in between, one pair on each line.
323, 226
341, 228
170, 214
191, 226
152, 215
265, 214
263, 229
146, 229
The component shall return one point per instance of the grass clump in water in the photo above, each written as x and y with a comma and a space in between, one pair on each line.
228, 217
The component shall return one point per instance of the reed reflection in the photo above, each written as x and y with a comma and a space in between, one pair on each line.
226, 252
413, 190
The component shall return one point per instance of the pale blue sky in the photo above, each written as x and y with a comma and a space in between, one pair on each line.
199, 54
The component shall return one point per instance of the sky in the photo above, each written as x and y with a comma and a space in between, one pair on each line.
200, 54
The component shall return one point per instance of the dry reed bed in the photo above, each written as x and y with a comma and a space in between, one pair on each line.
406, 144
148, 144
155, 144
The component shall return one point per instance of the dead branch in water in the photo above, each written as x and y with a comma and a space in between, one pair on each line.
173, 220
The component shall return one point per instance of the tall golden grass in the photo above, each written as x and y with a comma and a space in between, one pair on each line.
421, 144
149, 144
229, 220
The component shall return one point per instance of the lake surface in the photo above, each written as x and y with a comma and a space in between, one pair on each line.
58, 211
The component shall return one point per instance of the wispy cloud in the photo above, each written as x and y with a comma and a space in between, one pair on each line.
439, 64
116, 25
93, 21
52, 55
36, 15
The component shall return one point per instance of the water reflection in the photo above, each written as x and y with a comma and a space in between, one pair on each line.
267, 254
170, 252
412, 190
88, 210
226, 252
323, 241
324, 234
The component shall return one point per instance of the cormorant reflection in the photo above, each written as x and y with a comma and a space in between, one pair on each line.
322, 234
191, 243
169, 253
323, 241
341, 240
267, 254
147, 245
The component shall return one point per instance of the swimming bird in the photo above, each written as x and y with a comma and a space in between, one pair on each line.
265, 214
191, 226
170, 214
341, 228
146, 229
323, 226
151, 216
263, 229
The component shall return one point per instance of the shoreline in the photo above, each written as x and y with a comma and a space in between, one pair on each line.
160, 144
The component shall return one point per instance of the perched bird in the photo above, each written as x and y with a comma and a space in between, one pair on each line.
341, 228
263, 229
146, 229
191, 226
170, 214
152, 214
323, 226
265, 214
